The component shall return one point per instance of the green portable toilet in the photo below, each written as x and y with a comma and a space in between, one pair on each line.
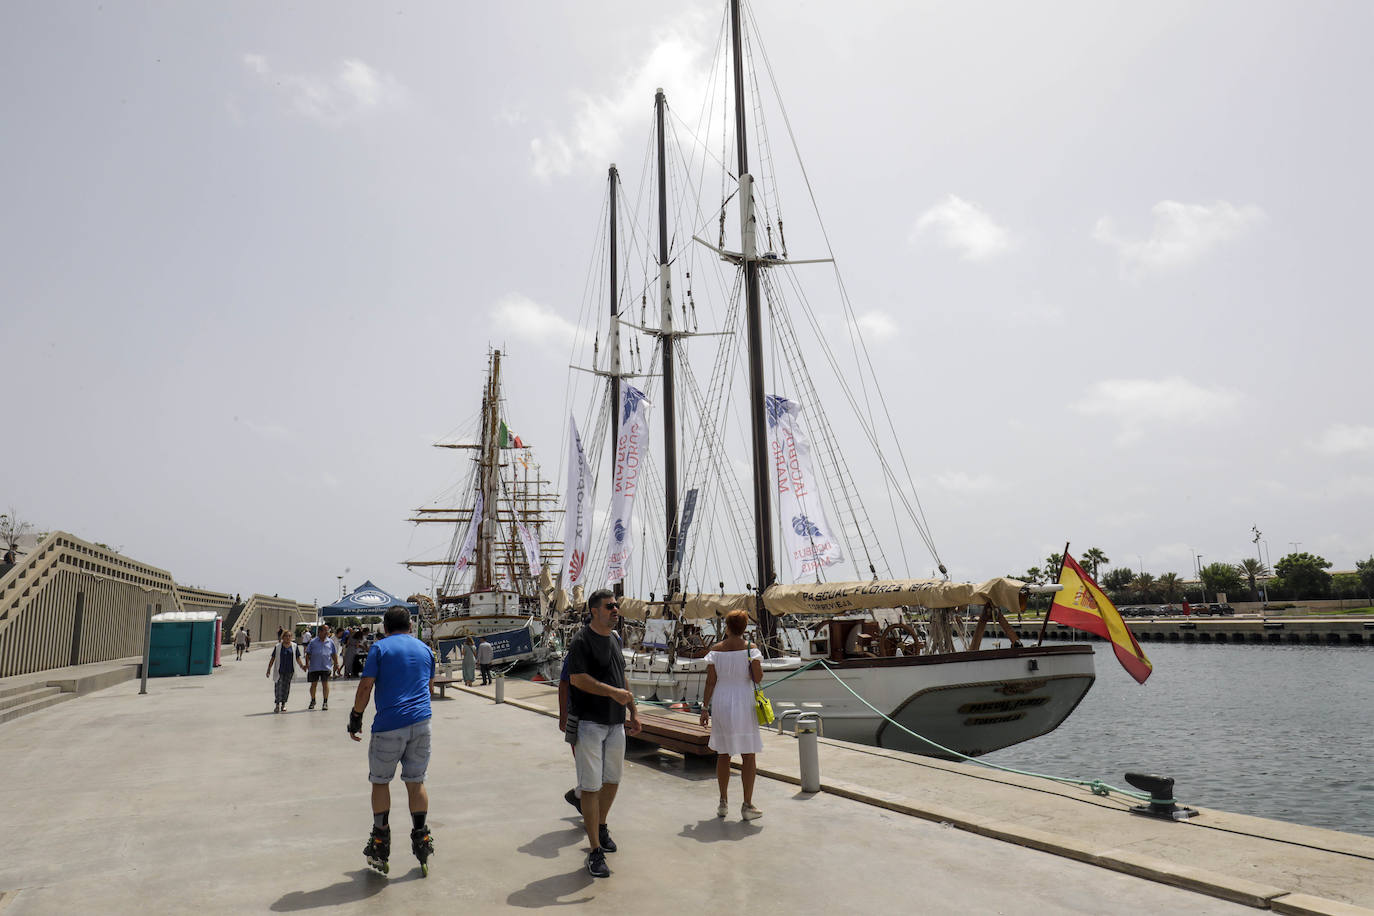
183, 642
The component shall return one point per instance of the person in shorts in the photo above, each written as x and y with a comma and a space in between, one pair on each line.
322, 657
599, 700
401, 668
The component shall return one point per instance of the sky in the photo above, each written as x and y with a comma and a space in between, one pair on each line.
1110, 259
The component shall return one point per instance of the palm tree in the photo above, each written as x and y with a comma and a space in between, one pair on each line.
1142, 584
1052, 564
1171, 585
1093, 557
1252, 570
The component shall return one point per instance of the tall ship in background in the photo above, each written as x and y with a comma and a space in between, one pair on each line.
854, 637
500, 548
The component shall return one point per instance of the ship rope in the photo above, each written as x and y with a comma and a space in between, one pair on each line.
1096, 786
913, 505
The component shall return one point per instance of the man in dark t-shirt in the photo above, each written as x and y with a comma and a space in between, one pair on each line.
599, 700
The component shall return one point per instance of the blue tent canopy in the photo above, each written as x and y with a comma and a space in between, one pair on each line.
366, 600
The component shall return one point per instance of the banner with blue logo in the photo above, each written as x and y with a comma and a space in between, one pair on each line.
811, 542
629, 458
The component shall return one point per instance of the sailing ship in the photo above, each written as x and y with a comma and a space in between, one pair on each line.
885, 661
499, 550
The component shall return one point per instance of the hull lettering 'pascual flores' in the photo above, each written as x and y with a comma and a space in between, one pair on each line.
495, 576
870, 652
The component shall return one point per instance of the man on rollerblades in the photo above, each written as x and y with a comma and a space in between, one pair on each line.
401, 668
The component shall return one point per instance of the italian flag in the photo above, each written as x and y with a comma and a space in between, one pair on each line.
508, 438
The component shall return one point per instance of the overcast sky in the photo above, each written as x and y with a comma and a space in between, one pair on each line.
1113, 256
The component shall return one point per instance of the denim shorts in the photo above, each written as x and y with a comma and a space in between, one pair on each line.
600, 752
407, 746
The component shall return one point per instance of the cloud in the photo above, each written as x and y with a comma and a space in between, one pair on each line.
964, 227
525, 319
354, 91
1136, 404
876, 326
1342, 439
266, 430
1182, 233
677, 64
963, 482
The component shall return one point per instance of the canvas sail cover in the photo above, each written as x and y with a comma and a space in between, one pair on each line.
844, 597
696, 607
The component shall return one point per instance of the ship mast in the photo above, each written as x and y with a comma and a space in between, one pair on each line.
613, 340
666, 336
490, 465
763, 532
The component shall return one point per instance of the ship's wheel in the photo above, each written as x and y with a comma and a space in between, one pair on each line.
900, 639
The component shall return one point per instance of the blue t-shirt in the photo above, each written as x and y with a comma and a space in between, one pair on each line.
403, 667
321, 654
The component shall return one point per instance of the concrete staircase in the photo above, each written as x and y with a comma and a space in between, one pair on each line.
22, 699
20, 696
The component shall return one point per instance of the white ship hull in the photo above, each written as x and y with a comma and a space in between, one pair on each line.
493, 614
969, 702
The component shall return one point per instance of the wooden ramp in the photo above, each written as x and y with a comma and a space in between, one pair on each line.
675, 731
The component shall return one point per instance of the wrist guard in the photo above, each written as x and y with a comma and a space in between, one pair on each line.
355, 722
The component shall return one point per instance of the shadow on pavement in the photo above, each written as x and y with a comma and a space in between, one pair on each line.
358, 885
547, 891
716, 829
548, 845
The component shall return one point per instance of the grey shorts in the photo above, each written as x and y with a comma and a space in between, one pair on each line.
600, 753
407, 746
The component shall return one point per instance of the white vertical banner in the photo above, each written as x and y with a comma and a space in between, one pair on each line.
527, 537
470, 539
629, 457
811, 542
531, 545
577, 518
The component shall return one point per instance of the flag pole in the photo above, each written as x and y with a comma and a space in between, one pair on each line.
1058, 574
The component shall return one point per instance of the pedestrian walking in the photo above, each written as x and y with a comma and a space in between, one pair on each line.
485, 656
321, 654
401, 668
469, 662
241, 643
350, 652
733, 668
596, 672
567, 724
282, 667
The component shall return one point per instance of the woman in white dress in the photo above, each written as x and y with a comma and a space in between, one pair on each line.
733, 667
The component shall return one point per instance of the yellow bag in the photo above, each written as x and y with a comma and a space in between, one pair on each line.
763, 708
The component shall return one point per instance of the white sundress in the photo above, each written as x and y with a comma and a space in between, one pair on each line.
734, 724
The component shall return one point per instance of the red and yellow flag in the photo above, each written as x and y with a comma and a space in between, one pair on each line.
1082, 605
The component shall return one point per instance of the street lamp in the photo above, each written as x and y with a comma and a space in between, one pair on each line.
341, 591
1201, 586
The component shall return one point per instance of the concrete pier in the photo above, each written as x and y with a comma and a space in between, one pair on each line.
1311, 631
197, 797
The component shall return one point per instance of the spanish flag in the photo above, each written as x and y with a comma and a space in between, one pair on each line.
1082, 605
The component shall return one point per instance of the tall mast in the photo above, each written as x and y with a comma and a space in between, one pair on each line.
763, 513
665, 296
613, 337
490, 470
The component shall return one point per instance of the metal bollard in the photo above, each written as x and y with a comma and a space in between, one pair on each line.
808, 751
500, 682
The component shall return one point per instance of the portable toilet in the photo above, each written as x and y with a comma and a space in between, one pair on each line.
182, 642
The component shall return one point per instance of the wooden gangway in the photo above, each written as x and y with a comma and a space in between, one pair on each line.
676, 731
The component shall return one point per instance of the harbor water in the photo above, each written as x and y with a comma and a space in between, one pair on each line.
1275, 731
